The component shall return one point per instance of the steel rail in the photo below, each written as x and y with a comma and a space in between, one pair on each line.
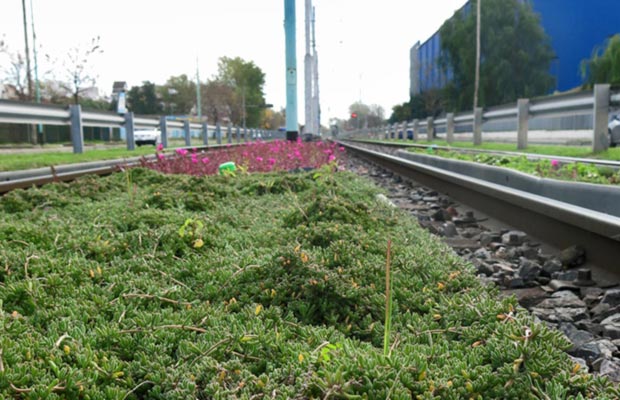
556, 222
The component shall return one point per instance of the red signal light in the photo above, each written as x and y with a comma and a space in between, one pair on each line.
353, 115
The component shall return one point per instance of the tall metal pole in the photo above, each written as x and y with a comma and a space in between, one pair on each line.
477, 82
291, 70
27, 49
316, 108
37, 85
198, 100
308, 64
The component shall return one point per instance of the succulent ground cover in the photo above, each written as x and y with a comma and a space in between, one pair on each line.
546, 168
259, 156
142, 285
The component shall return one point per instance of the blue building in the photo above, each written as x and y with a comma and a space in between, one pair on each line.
576, 29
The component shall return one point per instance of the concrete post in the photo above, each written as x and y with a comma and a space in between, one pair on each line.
600, 139
450, 128
523, 116
229, 133
430, 129
218, 133
478, 126
205, 134
245, 134
163, 129
77, 135
129, 128
238, 134
188, 132
416, 129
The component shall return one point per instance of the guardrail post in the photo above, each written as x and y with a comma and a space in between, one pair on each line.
245, 134
229, 133
205, 133
238, 134
478, 126
163, 129
129, 129
600, 140
188, 133
416, 129
450, 127
77, 136
430, 128
523, 116
218, 133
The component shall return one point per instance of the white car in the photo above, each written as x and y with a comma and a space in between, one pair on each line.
147, 136
614, 131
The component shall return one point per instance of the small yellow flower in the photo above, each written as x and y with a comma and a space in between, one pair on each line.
91, 273
304, 257
576, 368
258, 309
300, 357
441, 286
437, 317
66, 349
198, 243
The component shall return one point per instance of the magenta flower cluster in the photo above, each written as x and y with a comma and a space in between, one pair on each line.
279, 155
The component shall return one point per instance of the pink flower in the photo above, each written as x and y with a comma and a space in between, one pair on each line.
194, 158
161, 156
331, 158
205, 160
245, 154
160, 147
181, 152
259, 159
555, 163
271, 161
341, 149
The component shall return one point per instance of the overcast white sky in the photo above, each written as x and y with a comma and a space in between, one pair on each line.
363, 46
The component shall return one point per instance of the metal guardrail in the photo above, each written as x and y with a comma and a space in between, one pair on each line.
595, 102
13, 112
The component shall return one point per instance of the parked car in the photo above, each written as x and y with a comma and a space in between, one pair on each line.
147, 136
614, 131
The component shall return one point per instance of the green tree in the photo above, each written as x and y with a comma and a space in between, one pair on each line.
178, 95
516, 54
367, 116
143, 99
604, 66
219, 102
247, 81
420, 106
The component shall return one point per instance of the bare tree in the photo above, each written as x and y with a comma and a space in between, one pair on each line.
13, 71
78, 68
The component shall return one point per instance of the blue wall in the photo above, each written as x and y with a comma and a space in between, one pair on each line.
576, 28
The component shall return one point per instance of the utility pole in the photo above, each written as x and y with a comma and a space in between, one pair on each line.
477, 81
308, 65
316, 108
37, 85
198, 100
27, 49
291, 70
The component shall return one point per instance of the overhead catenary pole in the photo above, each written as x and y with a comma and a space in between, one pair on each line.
291, 70
477, 79
37, 85
28, 74
198, 100
308, 75
316, 108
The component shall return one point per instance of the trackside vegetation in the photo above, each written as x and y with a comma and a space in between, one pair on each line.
142, 285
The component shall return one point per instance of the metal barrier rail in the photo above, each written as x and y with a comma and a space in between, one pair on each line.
13, 112
595, 102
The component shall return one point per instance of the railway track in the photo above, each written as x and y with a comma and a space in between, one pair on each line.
555, 222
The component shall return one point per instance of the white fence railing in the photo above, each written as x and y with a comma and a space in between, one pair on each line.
595, 102
12, 112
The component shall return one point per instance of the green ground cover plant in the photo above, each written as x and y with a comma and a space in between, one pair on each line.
27, 160
141, 285
551, 150
545, 168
